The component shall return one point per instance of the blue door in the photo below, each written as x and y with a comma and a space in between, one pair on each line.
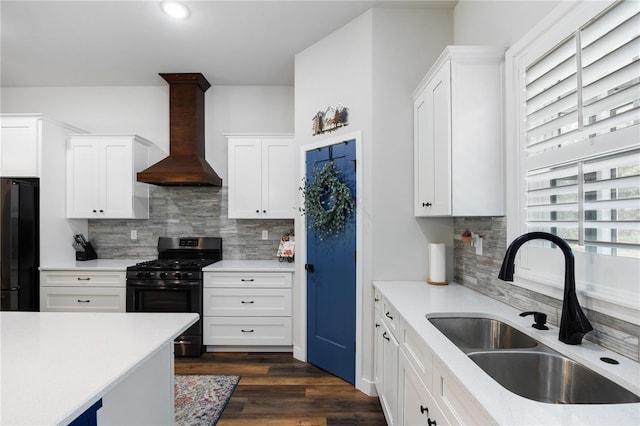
331, 277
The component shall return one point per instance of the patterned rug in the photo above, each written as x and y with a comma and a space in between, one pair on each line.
200, 399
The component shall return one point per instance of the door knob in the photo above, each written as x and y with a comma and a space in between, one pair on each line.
309, 267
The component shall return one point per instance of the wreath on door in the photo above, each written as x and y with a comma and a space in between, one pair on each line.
328, 202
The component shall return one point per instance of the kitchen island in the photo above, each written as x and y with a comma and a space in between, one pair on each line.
55, 365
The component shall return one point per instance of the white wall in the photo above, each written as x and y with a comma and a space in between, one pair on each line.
405, 45
372, 65
497, 23
144, 110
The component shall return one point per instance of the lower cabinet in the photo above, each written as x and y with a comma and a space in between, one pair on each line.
414, 387
386, 370
252, 309
416, 404
82, 291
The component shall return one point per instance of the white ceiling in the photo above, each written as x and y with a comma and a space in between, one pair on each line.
121, 43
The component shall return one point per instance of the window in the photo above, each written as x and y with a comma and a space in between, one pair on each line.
576, 129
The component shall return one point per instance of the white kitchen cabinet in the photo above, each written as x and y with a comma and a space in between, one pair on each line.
247, 309
388, 377
82, 291
416, 404
414, 387
458, 158
261, 177
101, 177
20, 146
35, 146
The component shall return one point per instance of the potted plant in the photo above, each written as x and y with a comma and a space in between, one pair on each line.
466, 236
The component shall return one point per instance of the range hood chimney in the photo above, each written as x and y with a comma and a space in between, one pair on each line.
186, 164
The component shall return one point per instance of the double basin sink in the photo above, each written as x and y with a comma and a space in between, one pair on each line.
525, 366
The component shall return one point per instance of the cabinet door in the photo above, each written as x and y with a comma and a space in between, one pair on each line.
416, 405
83, 177
277, 179
245, 171
432, 111
389, 395
116, 178
19, 151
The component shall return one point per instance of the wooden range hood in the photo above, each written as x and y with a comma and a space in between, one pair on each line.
186, 164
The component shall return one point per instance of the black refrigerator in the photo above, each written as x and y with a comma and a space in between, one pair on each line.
19, 247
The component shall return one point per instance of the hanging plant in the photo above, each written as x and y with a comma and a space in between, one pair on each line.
328, 202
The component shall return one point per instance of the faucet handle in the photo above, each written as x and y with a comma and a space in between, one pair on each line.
539, 318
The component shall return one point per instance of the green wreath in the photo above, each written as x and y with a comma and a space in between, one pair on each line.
328, 202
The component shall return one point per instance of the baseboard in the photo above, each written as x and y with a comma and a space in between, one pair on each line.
249, 348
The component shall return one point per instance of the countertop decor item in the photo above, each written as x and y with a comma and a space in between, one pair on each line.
466, 236
328, 202
331, 119
200, 399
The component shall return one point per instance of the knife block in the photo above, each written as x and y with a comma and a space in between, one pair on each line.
89, 253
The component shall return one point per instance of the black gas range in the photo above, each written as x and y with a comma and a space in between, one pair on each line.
173, 283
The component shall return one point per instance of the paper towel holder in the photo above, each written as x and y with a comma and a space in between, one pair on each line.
437, 265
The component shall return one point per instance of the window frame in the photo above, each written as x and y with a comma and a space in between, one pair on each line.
563, 21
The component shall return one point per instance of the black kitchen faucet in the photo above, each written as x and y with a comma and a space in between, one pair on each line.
573, 322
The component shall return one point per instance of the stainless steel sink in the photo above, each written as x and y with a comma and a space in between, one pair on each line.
471, 334
525, 366
550, 378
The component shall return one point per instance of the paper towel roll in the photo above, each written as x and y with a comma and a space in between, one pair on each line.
437, 264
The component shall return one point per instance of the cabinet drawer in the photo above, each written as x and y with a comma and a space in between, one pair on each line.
390, 317
82, 279
248, 279
247, 302
70, 299
261, 331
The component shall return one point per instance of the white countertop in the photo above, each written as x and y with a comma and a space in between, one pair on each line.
56, 365
92, 265
413, 300
250, 266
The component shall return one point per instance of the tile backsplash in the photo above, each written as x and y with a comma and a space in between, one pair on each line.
188, 211
481, 274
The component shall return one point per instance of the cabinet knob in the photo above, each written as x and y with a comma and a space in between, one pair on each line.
95, 211
424, 409
426, 204
431, 422
388, 315
257, 211
264, 211
384, 336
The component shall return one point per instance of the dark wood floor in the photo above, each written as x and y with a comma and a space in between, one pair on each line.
276, 389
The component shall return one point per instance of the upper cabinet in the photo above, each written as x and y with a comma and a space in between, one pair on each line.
458, 149
101, 177
261, 177
20, 146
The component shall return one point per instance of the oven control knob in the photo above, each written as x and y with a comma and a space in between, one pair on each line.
163, 274
178, 275
139, 274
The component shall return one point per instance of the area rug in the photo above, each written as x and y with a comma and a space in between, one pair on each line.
200, 399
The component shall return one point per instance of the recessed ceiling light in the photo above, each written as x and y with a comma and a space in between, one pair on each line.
175, 9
